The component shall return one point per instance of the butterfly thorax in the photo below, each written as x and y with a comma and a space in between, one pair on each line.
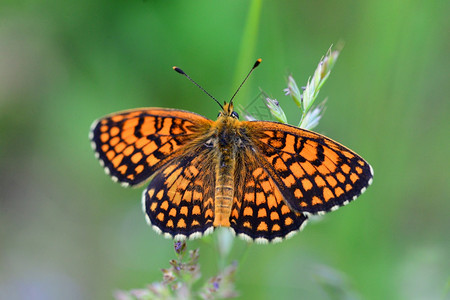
227, 141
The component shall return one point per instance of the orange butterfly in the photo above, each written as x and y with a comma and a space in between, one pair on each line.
261, 179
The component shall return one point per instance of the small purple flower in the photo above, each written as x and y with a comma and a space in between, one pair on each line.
179, 246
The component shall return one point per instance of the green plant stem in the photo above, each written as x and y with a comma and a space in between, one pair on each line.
246, 56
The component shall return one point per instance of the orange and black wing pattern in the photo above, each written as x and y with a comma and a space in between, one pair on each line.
259, 212
179, 201
131, 145
313, 173
281, 173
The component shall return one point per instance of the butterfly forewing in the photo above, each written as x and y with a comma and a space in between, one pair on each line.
133, 144
314, 173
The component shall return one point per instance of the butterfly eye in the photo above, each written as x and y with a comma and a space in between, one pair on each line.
235, 115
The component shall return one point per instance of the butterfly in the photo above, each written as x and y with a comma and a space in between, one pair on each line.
261, 179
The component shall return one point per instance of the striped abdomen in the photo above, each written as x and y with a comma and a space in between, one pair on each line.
224, 187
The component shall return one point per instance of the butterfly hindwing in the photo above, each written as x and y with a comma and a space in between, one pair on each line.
314, 173
179, 201
133, 144
259, 212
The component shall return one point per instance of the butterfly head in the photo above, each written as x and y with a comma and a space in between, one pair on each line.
228, 111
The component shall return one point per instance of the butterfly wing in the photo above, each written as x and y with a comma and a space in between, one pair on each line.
313, 173
259, 212
131, 145
179, 201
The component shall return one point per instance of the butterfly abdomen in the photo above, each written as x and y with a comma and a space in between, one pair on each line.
224, 186
225, 168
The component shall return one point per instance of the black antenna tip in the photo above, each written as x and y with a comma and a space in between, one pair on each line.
258, 61
178, 70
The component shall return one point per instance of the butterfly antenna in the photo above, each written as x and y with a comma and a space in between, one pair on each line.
258, 61
192, 80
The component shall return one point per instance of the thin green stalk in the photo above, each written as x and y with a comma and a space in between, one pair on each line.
246, 56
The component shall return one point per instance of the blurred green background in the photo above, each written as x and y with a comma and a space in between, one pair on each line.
67, 231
